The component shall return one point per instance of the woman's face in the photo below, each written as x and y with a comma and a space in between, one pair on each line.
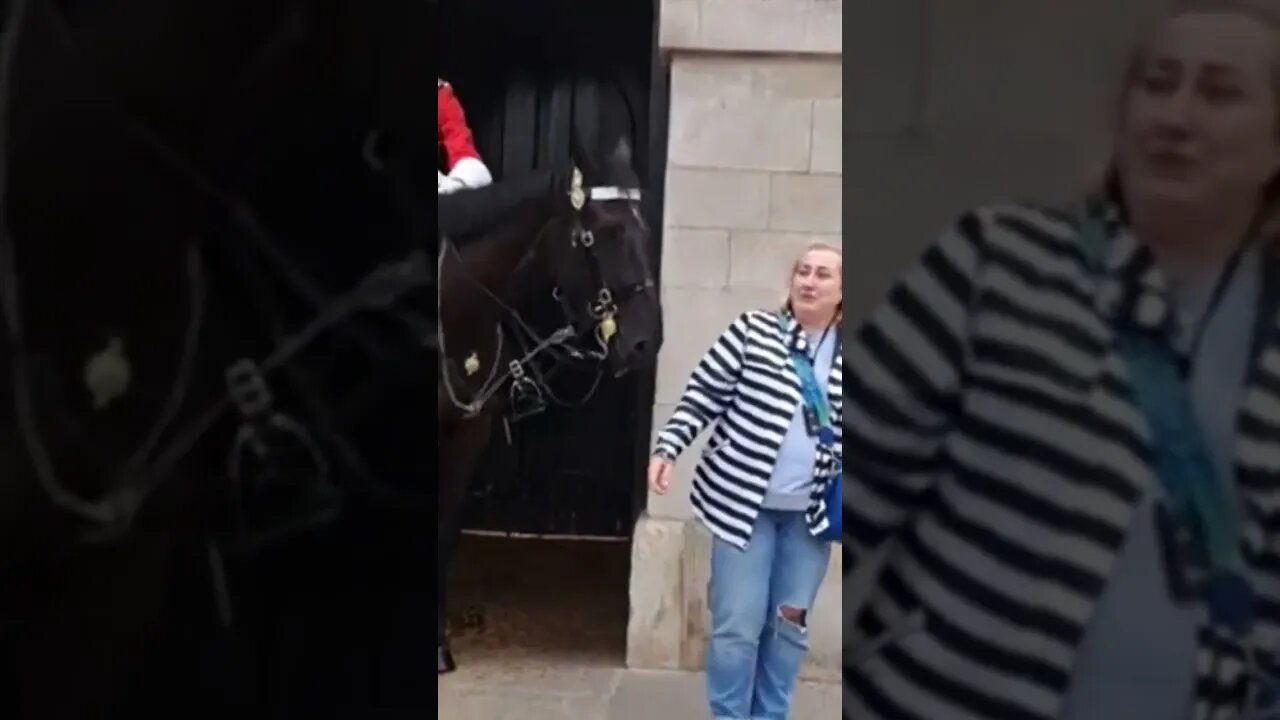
817, 287
1199, 123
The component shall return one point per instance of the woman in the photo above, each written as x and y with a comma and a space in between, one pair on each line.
1067, 420
759, 487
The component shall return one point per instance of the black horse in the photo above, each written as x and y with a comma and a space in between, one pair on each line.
576, 238
217, 301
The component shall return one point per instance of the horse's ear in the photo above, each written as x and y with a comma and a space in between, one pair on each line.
584, 154
577, 151
622, 152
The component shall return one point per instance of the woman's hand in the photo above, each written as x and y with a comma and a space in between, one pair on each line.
660, 474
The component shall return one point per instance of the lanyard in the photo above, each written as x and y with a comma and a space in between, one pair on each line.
1202, 325
1201, 506
813, 395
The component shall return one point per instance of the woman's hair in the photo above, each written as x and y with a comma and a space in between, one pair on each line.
1266, 222
795, 267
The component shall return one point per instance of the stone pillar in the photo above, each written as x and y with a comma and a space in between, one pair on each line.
754, 173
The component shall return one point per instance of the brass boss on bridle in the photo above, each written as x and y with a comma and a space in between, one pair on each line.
603, 310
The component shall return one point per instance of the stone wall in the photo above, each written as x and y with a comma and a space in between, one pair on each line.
755, 172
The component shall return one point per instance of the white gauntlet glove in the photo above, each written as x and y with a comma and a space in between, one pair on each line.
446, 185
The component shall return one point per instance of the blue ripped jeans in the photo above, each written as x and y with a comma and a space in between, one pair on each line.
761, 599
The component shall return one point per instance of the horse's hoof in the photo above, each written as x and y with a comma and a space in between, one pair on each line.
444, 661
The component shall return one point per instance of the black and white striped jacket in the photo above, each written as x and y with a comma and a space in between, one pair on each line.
993, 441
747, 386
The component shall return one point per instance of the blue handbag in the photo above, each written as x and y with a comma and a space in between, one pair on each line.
833, 493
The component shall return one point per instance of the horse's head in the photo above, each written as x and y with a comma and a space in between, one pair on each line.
604, 273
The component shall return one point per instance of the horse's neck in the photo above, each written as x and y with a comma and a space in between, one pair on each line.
509, 260
509, 263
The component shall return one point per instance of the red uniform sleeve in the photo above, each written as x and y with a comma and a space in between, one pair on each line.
455, 135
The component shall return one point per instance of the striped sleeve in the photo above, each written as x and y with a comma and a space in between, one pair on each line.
710, 390
902, 384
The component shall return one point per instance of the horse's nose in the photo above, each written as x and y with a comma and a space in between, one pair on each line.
634, 348
632, 353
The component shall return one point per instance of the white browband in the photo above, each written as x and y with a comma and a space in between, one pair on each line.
605, 194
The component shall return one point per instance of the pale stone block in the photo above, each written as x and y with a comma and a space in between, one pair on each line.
695, 259
752, 25
678, 23
828, 137
763, 260
697, 603
717, 77
824, 27
730, 199
734, 77
791, 26
807, 203
655, 631
677, 503
746, 134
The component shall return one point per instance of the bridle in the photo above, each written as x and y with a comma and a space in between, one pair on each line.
527, 383
529, 388
248, 391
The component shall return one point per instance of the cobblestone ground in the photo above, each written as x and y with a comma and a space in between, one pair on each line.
539, 630
562, 689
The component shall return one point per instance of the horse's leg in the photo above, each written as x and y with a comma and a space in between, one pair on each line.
460, 451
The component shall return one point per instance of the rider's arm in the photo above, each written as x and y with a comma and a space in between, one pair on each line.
461, 156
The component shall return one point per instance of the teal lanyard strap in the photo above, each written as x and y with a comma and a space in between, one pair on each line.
1183, 464
813, 395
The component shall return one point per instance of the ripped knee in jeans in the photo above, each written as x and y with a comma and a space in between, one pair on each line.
798, 617
792, 625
